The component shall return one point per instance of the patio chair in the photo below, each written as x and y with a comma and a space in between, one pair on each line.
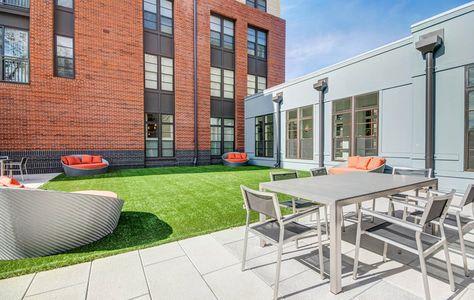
410, 236
278, 230
18, 166
454, 219
322, 171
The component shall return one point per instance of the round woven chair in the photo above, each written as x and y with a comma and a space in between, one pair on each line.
234, 162
85, 170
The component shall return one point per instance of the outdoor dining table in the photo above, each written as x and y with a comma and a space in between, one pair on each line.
337, 191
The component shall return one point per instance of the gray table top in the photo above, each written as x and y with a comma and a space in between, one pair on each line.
347, 188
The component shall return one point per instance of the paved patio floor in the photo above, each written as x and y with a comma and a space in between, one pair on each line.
208, 267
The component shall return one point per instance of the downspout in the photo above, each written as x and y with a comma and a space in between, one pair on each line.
427, 45
321, 86
278, 99
195, 67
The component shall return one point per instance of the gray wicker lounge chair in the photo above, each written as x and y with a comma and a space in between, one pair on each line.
278, 230
37, 223
238, 162
410, 236
74, 170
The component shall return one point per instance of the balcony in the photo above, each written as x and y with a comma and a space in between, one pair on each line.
16, 3
14, 69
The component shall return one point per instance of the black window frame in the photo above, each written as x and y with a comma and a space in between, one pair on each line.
158, 21
222, 141
255, 89
257, 5
159, 138
55, 44
352, 112
222, 34
468, 89
222, 77
22, 60
256, 44
263, 149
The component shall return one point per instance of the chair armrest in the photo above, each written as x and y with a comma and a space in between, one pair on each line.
378, 169
417, 199
393, 220
408, 205
297, 216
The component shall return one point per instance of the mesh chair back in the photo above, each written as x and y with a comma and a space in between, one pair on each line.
23, 161
437, 208
264, 203
468, 195
318, 171
283, 176
413, 172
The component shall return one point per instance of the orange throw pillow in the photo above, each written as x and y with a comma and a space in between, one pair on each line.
352, 161
243, 155
64, 160
10, 182
96, 159
73, 160
232, 156
363, 163
86, 159
375, 162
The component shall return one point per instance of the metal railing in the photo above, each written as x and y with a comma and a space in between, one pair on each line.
14, 69
17, 3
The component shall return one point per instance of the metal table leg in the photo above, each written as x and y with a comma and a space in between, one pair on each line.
335, 248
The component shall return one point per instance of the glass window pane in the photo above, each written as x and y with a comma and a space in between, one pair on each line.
293, 114
149, 5
470, 76
262, 38
364, 101
307, 112
215, 24
228, 27
15, 43
228, 122
471, 100
342, 105
65, 3
215, 121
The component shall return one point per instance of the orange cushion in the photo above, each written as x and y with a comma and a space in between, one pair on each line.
352, 161
90, 166
73, 160
64, 160
10, 182
363, 162
237, 160
342, 170
86, 159
243, 155
375, 162
232, 156
96, 159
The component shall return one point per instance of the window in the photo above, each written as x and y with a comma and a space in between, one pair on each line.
256, 43
166, 74
299, 133
14, 55
222, 136
256, 84
469, 143
159, 137
150, 15
260, 4
355, 126
64, 56
264, 136
65, 3
222, 83
222, 32
17, 3
151, 71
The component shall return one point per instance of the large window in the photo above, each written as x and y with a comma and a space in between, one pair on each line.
299, 133
256, 43
222, 136
64, 56
222, 33
17, 3
159, 135
264, 136
469, 142
222, 83
256, 84
260, 4
151, 72
355, 126
151, 17
14, 55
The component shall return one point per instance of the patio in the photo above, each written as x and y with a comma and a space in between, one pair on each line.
208, 267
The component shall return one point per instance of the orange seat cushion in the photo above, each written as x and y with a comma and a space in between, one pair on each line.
232, 156
96, 159
64, 160
352, 161
343, 170
237, 160
73, 160
243, 155
375, 162
10, 182
90, 166
86, 159
363, 163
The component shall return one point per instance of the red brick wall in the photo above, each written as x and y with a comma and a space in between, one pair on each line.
102, 109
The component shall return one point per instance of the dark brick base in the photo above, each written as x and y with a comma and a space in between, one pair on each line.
183, 158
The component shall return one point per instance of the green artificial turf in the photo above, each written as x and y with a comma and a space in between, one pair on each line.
161, 205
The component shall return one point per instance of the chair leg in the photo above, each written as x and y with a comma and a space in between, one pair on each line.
448, 265
373, 209
21, 173
278, 267
357, 245
244, 258
463, 247
326, 220
343, 227
320, 245
423, 267
385, 248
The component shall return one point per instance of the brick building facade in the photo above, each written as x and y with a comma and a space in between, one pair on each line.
100, 108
